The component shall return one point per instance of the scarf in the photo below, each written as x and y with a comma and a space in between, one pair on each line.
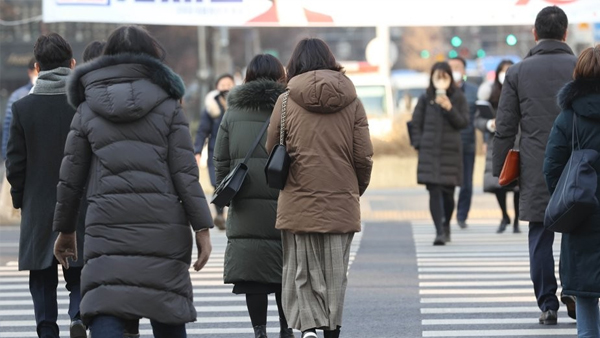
52, 82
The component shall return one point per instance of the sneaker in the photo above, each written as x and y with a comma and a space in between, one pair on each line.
219, 222
569, 301
548, 317
77, 329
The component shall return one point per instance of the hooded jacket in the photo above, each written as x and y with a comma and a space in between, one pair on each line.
253, 252
580, 252
130, 135
327, 138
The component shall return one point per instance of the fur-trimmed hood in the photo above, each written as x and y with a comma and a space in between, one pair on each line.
256, 95
582, 96
123, 87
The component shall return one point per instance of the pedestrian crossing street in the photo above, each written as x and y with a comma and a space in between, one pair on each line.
220, 313
479, 286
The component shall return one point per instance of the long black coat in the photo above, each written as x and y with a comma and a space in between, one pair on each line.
580, 249
35, 150
131, 135
253, 251
528, 100
437, 137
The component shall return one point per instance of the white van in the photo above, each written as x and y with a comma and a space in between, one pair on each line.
375, 93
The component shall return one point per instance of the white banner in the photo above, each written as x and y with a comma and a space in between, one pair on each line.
236, 13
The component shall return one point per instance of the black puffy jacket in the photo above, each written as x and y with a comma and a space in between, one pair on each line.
131, 136
438, 139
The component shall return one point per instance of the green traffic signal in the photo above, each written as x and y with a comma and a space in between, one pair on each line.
480, 53
456, 41
452, 54
511, 40
425, 54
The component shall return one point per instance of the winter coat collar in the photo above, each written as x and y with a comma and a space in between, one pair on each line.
256, 95
583, 96
550, 47
157, 72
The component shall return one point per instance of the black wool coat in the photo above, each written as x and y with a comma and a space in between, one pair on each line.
580, 249
253, 251
528, 100
130, 134
38, 133
438, 139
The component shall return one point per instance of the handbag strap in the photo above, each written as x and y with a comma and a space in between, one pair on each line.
575, 134
283, 117
257, 140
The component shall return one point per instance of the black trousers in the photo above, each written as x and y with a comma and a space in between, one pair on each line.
42, 286
541, 266
441, 203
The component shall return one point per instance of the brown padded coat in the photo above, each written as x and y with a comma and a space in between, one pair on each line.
328, 140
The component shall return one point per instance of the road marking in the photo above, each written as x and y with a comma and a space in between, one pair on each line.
501, 333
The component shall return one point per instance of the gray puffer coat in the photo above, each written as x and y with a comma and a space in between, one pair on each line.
131, 136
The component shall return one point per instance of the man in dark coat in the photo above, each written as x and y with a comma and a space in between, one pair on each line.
528, 101
463, 206
38, 132
215, 106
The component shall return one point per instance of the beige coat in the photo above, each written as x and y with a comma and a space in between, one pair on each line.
328, 140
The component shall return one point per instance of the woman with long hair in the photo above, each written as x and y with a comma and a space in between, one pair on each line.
579, 253
488, 128
130, 143
327, 137
439, 115
253, 257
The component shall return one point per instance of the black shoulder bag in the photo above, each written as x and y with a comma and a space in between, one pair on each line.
278, 165
232, 183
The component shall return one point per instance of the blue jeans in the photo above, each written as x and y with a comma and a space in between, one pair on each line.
588, 317
113, 327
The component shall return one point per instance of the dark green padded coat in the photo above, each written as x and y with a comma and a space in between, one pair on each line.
253, 251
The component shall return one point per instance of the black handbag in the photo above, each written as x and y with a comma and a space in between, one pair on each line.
574, 199
278, 164
232, 183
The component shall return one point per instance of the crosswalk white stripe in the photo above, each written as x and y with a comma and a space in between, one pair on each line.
479, 267
212, 331
144, 321
500, 333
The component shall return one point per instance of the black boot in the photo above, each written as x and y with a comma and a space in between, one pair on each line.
440, 238
503, 224
332, 334
516, 229
284, 330
260, 331
447, 232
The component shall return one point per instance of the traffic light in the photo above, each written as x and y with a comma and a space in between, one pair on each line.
456, 41
425, 54
481, 53
452, 54
511, 40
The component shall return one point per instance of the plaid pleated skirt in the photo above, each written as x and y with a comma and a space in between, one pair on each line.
315, 268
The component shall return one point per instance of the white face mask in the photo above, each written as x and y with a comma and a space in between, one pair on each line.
33, 79
457, 76
501, 77
441, 80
